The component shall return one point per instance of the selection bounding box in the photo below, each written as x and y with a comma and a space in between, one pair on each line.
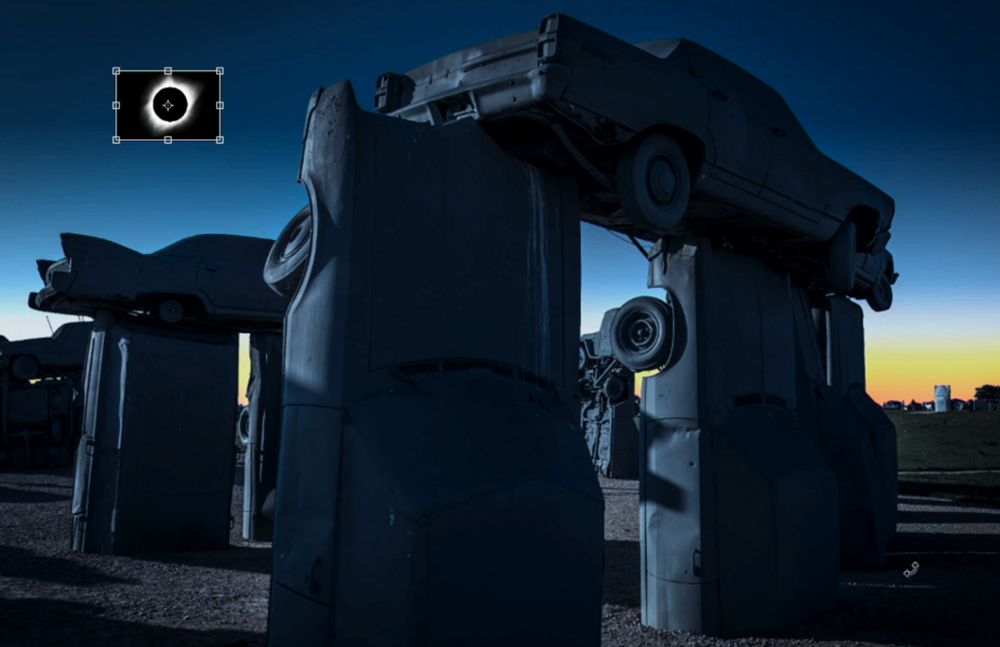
168, 105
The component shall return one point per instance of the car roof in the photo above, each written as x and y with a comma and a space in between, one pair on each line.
220, 246
74, 328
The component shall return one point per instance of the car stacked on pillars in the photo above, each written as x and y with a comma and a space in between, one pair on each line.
41, 397
200, 279
664, 137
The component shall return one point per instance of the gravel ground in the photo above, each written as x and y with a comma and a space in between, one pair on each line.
953, 599
52, 596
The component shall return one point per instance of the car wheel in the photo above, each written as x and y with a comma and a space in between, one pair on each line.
286, 262
642, 334
879, 297
654, 184
243, 429
24, 367
170, 311
583, 357
616, 389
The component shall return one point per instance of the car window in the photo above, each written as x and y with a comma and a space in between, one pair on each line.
719, 73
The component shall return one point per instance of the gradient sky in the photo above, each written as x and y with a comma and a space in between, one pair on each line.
904, 93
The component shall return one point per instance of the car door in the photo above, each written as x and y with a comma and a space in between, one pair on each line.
167, 274
799, 176
742, 142
231, 284
742, 139
231, 273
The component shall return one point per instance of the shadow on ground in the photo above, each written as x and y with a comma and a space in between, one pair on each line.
985, 494
621, 573
36, 472
18, 495
35, 621
949, 516
235, 558
947, 602
943, 604
26, 564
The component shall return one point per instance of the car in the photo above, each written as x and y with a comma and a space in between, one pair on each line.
242, 427
893, 405
40, 421
211, 278
608, 405
64, 352
664, 137
40, 405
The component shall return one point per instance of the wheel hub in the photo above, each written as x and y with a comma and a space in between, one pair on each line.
24, 368
297, 239
171, 311
662, 181
640, 333
615, 388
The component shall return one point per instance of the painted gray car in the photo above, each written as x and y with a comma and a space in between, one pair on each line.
664, 136
65, 351
211, 277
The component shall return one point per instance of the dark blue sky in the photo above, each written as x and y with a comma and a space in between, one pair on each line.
904, 93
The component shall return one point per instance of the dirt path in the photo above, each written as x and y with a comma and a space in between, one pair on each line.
52, 596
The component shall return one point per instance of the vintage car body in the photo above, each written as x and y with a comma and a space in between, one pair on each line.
39, 407
211, 277
65, 351
40, 422
571, 96
608, 405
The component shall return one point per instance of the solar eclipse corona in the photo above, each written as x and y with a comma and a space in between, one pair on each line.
168, 105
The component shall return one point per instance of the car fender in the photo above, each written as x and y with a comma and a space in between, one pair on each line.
98, 266
869, 268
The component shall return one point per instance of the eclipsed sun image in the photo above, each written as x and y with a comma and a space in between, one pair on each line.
181, 105
170, 104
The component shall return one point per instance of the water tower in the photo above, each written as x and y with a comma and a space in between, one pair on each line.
942, 397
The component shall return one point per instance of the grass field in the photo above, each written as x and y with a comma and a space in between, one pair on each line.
955, 440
